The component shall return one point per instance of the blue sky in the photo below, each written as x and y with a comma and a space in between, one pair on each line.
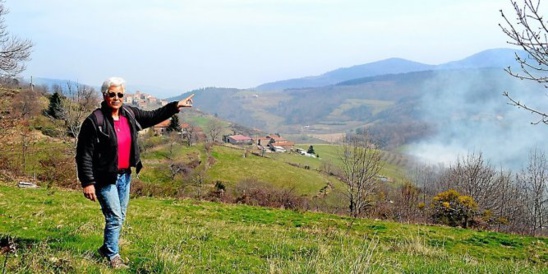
180, 45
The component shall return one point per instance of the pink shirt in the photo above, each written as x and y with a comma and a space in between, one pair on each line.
123, 134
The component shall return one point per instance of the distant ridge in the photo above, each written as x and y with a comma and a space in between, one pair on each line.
492, 58
48, 82
388, 66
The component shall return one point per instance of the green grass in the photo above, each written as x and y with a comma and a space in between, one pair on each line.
58, 231
280, 170
231, 167
392, 161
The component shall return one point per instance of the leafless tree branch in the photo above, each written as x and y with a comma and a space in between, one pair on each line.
14, 51
529, 31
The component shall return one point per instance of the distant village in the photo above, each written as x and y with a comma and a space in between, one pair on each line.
143, 100
146, 101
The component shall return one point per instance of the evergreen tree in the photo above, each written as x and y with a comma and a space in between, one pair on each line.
55, 108
310, 150
174, 125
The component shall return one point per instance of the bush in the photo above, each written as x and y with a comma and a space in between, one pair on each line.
219, 193
254, 192
451, 208
140, 188
58, 169
51, 131
48, 127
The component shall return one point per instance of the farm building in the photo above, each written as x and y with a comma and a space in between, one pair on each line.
239, 140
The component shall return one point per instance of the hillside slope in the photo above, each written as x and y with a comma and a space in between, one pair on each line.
58, 231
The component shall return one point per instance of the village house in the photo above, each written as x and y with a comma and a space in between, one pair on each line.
128, 99
239, 140
275, 140
161, 128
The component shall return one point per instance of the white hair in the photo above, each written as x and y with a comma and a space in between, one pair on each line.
113, 82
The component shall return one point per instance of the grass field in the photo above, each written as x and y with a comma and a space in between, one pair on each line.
58, 231
231, 167
304, 176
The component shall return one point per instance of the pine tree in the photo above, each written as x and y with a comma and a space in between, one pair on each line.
174, 125
55, 108
310, 150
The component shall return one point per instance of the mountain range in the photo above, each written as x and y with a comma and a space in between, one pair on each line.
492, 58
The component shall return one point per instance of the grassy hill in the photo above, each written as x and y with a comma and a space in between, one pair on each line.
238, 168
58, 231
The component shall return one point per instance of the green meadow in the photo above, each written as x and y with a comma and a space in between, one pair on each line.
58, 231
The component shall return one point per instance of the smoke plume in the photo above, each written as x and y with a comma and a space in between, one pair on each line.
471, 115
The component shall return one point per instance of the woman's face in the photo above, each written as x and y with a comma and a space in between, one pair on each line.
113, 97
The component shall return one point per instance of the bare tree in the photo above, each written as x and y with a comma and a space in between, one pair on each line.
26, 104
213, 129
361, 163
534, 183
474, 176
78, 104
174, 138
13, 50
189, 134
427, 178
530, 32
510, 214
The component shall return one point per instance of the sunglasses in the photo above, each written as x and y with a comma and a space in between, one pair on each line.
112, 94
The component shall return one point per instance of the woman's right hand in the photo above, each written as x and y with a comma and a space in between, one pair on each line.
89, 192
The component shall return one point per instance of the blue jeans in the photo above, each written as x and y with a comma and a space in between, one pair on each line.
114, 200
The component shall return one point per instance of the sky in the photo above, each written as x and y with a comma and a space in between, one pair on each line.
168, 47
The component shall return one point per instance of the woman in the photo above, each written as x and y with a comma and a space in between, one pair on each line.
107, 149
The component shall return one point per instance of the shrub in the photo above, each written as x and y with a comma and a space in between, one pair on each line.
254, 192
219, 193
59, 169
451, 208
140, 188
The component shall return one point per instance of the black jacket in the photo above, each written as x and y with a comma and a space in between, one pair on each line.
97, 152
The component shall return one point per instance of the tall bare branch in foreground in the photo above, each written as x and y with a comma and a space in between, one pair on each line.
529, 31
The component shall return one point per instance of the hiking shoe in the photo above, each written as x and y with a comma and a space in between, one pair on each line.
101, 252
117, 263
